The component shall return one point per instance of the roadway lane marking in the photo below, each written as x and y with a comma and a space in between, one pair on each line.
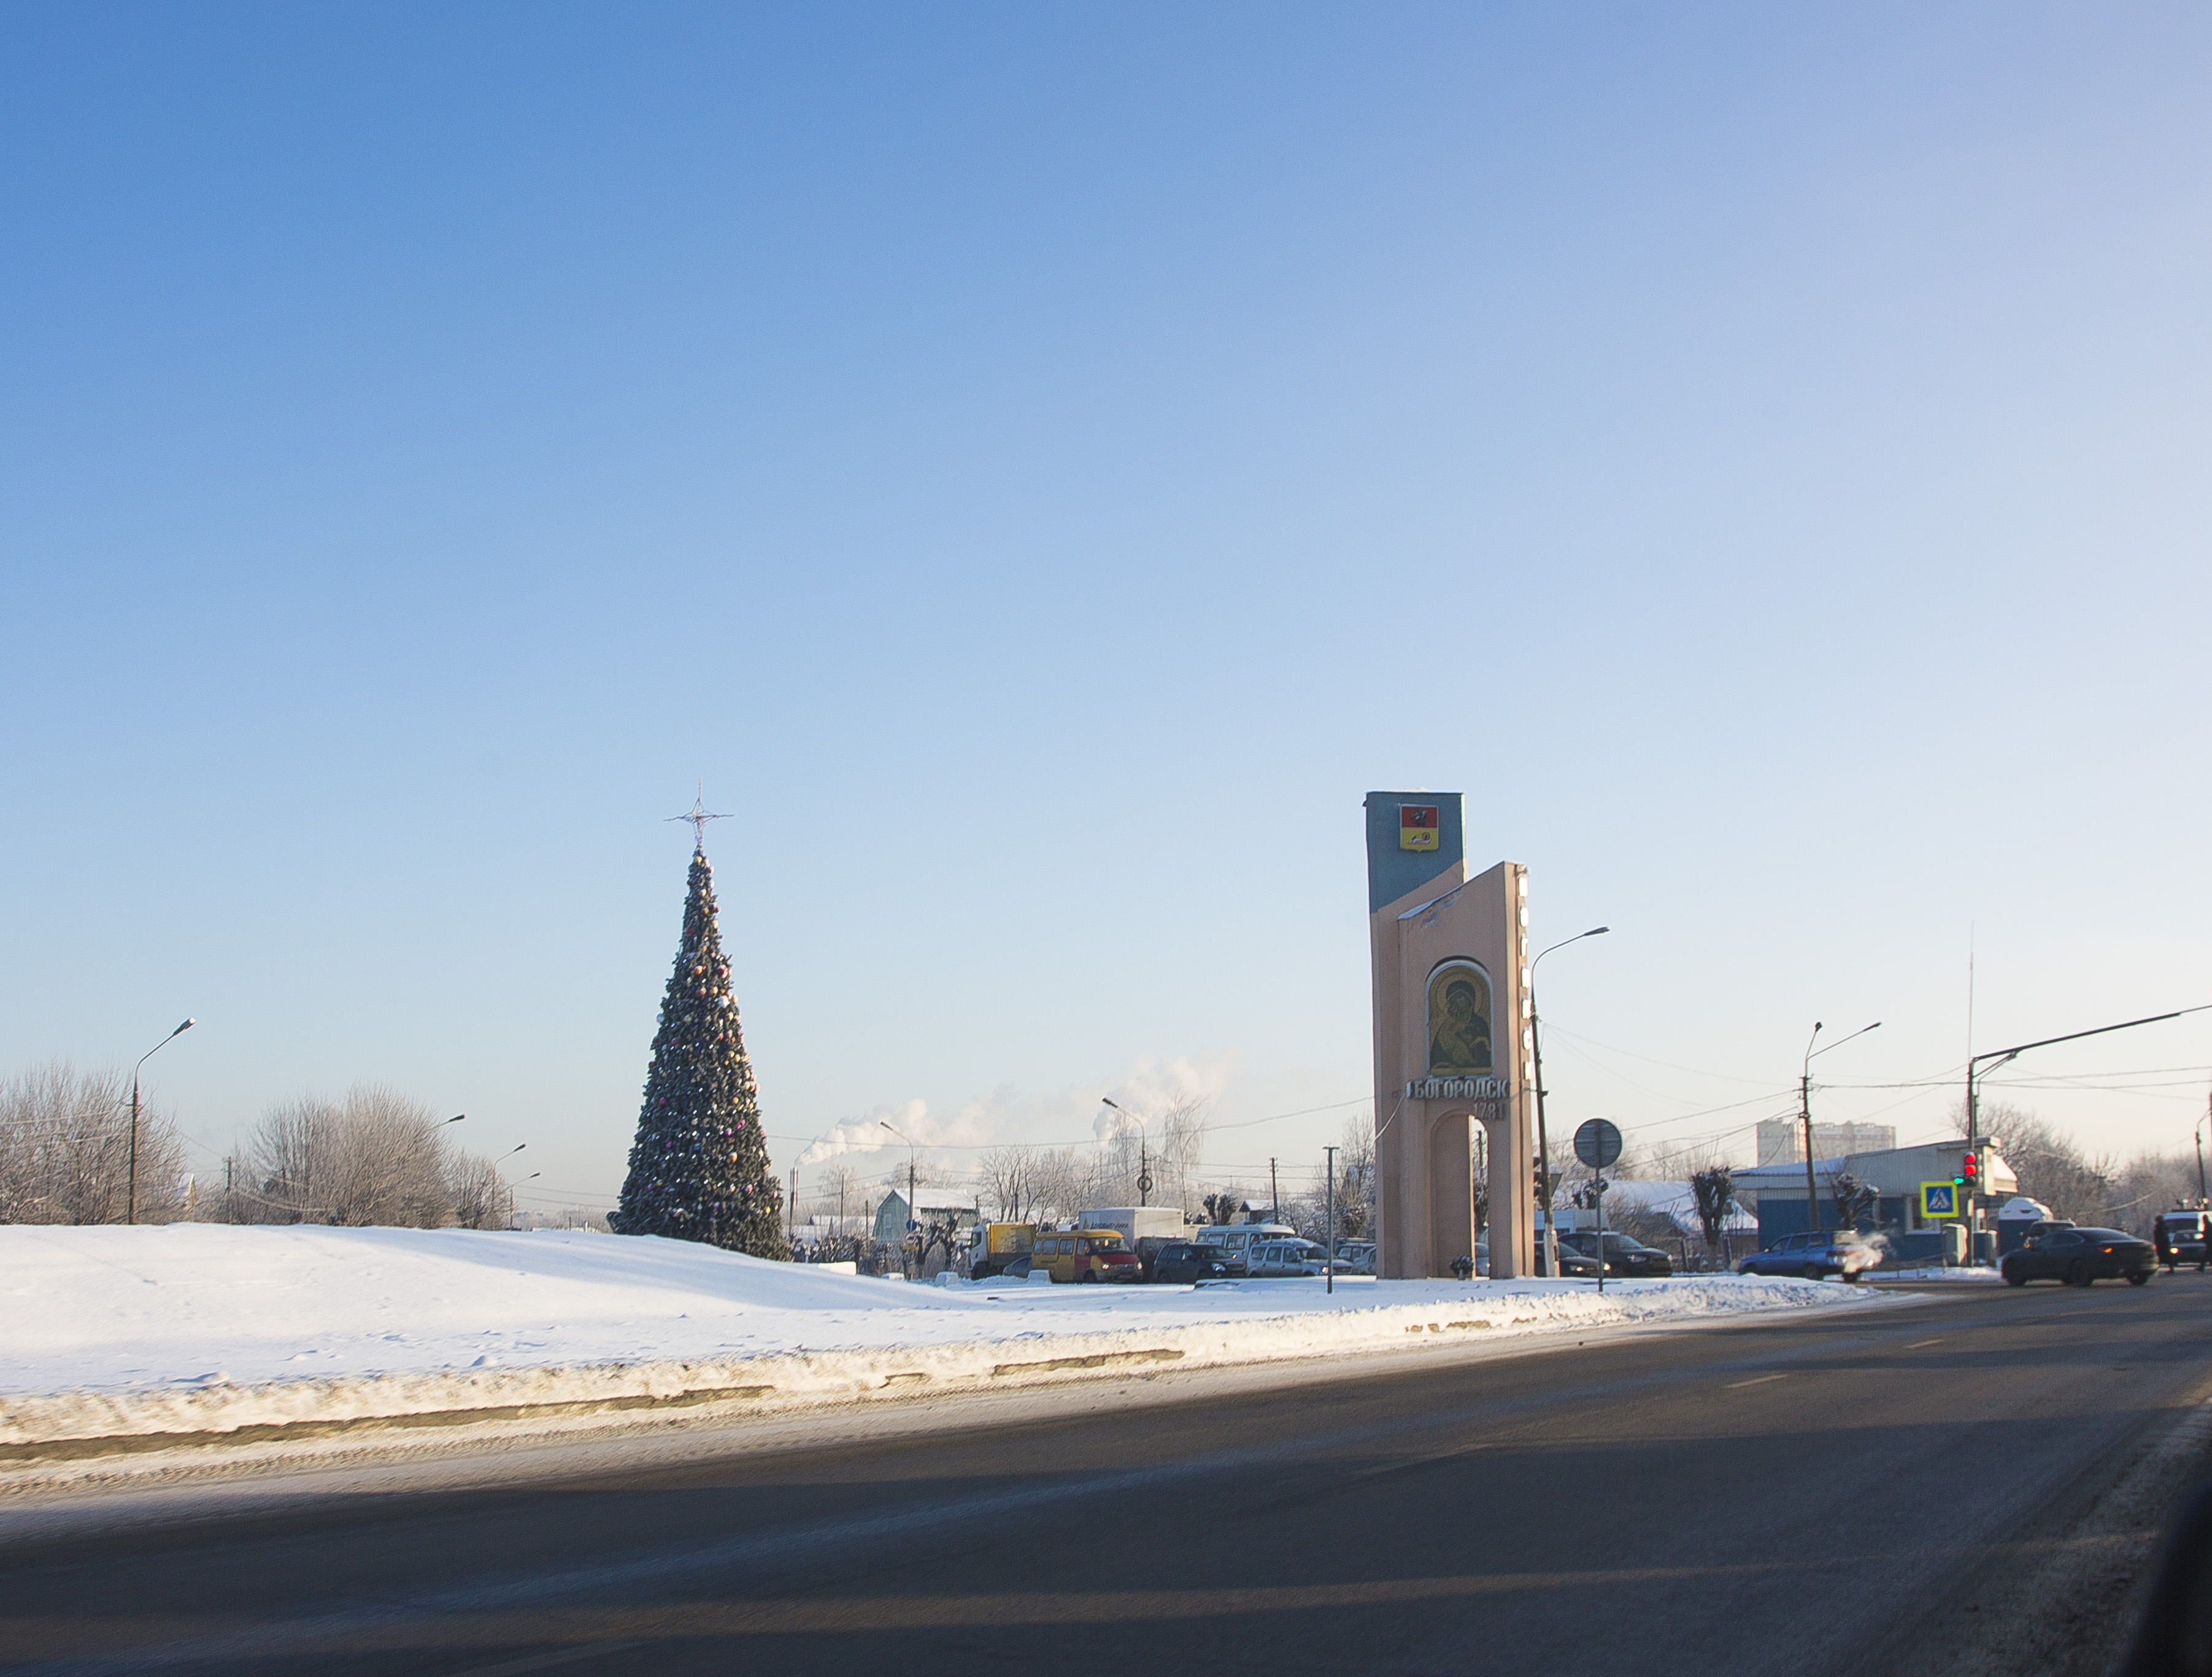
546, 1661
1738, 1385
615, 1626
1916, 1344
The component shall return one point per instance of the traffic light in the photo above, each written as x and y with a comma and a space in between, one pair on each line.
1970, 1168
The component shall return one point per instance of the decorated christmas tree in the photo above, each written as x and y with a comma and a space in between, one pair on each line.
699, 1168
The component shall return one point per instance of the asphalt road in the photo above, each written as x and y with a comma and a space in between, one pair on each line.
1965, 1484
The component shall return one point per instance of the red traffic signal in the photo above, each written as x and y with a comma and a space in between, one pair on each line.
1970, 1171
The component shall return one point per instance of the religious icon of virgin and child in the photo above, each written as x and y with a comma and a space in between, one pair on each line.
1459, 1022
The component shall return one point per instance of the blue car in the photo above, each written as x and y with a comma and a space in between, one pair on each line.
1815, 1256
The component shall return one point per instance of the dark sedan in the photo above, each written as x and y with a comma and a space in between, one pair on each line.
1186, 1261
1623, 1256
1573, 1265
2080, 1256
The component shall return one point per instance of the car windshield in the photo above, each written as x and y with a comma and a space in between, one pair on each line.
2103, 1234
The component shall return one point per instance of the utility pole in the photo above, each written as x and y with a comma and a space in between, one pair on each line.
1551, 1254
1328, 1261
2201, 1122
1805, 1117
1805, 1108
1275, 1193
790, 1210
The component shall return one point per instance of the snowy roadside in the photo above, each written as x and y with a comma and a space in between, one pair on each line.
1932, 1273
116, 1339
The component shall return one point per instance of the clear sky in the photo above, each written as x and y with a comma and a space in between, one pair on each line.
1039, 467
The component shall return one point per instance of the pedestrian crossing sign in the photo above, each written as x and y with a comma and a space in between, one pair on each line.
1939, 1199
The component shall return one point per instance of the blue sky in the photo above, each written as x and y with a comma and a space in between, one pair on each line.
1039, 467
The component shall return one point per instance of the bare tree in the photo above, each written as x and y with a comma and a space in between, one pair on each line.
2050, 1165
1714, 1188
375, 1158
1853, 1199
2150, 1183
1007, 1180
479, 1195
66, 1151
841, 1188
1065, 1180
1355, 1184
1168, 1145
1226, 1206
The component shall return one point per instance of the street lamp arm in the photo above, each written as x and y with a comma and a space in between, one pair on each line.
2003, 1054
159, 1046
1812, 1053
1595, 930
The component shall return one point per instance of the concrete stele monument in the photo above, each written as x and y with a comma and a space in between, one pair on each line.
1451, 1040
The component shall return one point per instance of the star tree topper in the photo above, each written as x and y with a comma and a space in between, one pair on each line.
699, 816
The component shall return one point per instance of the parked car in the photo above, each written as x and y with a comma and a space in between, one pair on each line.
1084, 1255
1238, 1239
1573, 1265
1623, 1256
2179, 1238
1815, 1256
1280, 1258
1187, 1261
2080, 1256
1355, 1257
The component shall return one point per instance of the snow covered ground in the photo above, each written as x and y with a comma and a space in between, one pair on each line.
204, 1328
1934, 1272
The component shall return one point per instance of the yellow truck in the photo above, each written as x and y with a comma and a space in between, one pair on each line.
1001, 1249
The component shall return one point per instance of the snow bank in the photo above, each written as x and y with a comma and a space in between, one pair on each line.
202, 1329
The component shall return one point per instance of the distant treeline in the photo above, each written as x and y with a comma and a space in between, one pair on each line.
374, 1158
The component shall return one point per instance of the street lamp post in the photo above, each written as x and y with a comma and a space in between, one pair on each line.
1143, 1150
913, 1212
130, 1208
2200, 1153
497, 1171
1543, 1137
1805, 1113
1329, 1256
1998, 1057
514, 1217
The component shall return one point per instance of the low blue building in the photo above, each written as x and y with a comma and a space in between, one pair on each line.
1776, 1192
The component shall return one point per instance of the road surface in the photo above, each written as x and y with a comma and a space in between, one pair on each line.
1963, 1484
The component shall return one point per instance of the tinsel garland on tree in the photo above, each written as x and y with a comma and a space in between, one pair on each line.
699, 1168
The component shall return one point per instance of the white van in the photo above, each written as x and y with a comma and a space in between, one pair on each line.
1239, 1238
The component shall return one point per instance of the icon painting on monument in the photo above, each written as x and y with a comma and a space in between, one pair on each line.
1459, 1020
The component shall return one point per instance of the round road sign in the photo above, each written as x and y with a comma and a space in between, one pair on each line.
1597, 1143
